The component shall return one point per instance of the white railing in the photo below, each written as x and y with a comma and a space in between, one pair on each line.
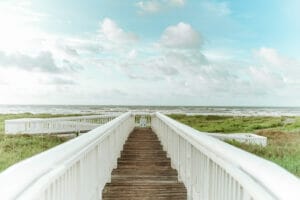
212, 169
55, 125
142, 119
77, 169
248, 138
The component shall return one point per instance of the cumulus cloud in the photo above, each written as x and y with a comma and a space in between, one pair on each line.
75, 46
182, 35
177, 71
155, 6
70, 51
149, 6
181, 66
155, 68
216, 8
275, 69
112, 32
177, 2
59, 81
143, 77
204, 7
43, 62
70, 66
132, 54
265, 77
271, 56
180, 57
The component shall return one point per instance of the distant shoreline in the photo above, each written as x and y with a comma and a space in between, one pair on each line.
189, 110
148, 106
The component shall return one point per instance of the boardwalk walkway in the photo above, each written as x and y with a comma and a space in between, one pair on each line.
144, 171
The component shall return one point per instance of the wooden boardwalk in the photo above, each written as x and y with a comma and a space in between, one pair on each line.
144, 171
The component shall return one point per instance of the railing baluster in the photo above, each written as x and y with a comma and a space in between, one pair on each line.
212, 169
55, 125
77, 169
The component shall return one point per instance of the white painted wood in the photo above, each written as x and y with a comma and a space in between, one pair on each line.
209, 168
55, 125
142, 119
248, 138
212, 169
77, 169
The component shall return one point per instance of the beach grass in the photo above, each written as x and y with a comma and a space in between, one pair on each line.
239, 124
283, 148
14, 148
283, 135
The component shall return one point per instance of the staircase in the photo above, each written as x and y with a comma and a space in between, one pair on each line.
144, 171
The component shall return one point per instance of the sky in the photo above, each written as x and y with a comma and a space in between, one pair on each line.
150, 52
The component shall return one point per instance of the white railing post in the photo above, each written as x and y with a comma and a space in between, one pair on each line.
212, 169
77, 169
56, 125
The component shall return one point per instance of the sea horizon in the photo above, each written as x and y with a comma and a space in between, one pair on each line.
169, 109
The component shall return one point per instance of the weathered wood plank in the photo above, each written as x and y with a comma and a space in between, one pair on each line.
144, 171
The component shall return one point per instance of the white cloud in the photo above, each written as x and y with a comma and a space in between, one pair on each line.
184, 70
36, 65
43, 62
57, 80
265, 78
70, 50
29, 55
276, 67
155, 6
217, 8
112, 32
151, 6
75, 46
271, 56
117, 67
181, 35
177, 2
132, 54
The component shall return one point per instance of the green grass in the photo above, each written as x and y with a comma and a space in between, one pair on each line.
283, 135
235, 124
14, 148
283, 139
138, 118
283, 148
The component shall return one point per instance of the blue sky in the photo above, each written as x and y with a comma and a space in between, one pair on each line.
150, 52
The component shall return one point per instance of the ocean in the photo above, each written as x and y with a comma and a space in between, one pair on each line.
189, 110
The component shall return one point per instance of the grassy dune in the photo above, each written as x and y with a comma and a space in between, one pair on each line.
14, 148
283, 135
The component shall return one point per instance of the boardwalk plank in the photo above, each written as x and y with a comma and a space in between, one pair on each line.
144, 172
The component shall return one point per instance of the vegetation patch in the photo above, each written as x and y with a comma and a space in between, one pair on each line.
14, 148
283, 135
18, 147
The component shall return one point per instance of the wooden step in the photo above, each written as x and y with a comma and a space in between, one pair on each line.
142, 152
161, 172
144, 171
